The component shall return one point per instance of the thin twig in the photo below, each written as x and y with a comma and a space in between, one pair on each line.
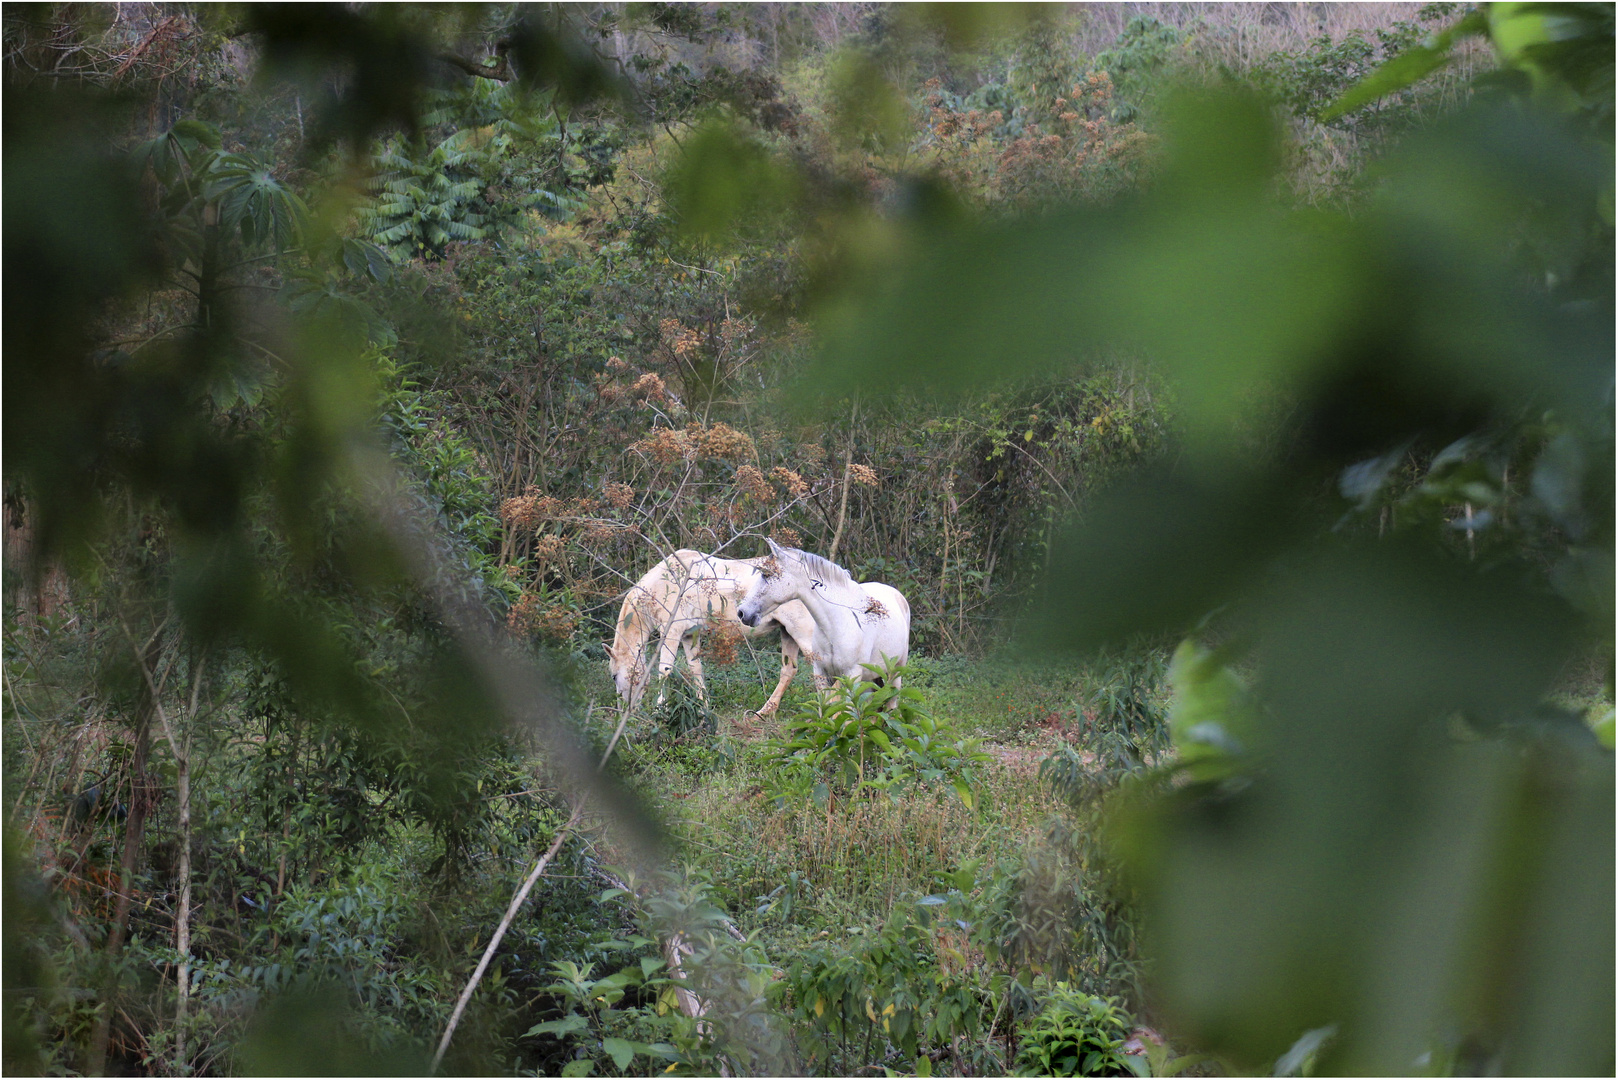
500, 932
517, 902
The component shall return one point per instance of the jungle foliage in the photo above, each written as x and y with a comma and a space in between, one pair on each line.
1253, 367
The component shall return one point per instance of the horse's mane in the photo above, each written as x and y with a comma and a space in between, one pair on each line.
824, 569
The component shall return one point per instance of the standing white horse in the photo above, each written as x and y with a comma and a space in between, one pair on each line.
676, 599
855, 623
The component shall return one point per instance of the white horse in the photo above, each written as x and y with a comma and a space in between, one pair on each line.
676, 599
855, 623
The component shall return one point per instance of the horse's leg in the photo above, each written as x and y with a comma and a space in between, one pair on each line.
789, 671
693, 660
893, 702
668, 650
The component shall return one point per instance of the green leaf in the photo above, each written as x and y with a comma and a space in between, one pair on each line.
198, 132
578, 1067
722, 177
1309, 1043
568, 1025
1210, 717
621, 1051
1603, 728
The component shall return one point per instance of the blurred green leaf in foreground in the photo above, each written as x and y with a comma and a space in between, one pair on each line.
1413, 845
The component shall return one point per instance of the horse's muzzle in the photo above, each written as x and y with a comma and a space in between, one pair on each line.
748, 619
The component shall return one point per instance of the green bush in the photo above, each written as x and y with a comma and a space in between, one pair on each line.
1078, 1035
860, 737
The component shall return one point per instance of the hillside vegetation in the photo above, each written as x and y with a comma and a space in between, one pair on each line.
1228, 389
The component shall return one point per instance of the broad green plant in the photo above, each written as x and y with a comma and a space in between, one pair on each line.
597, 1015
1078, 1034
892, 988
860, 738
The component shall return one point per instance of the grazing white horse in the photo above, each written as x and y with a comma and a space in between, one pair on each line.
855, 623
676, 599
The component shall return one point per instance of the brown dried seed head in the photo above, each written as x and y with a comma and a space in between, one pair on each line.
650, 386
725, 442
722, 641
753, 484
795, 484
548, 548
665, 445
518, 512
863, 474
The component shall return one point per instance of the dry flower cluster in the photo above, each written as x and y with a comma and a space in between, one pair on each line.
863, 474
666, 446
720, 442
725, 442
733, 332
528, 510
548, 549
620, 495
795, 484
787, 537
726, 517
721, 641
1088, 137
680, 339
551, 622
753, 484
946, 123
650, 386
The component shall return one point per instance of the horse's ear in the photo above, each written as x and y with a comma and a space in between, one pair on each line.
606, 648
775, 549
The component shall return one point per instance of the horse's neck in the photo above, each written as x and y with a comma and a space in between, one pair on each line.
654, 589
829, 606
631, 634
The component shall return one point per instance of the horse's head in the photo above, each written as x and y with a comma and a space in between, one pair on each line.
629, 675
771, 584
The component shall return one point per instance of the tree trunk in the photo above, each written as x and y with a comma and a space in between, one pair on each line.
140, 802
182, 930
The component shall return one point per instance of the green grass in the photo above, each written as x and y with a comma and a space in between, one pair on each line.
796, 873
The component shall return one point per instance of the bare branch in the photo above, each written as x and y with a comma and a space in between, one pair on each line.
500, 72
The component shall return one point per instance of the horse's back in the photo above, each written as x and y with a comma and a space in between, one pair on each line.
720, 584
891, 637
